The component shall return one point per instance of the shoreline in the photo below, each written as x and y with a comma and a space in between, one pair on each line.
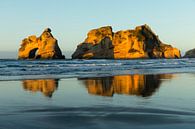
35, 77
59, 69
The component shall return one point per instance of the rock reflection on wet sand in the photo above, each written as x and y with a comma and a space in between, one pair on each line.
140, 85
47, 87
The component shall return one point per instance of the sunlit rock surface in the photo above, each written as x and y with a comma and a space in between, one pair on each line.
190, 54
142, 42
47, 87
43, 47
140, 85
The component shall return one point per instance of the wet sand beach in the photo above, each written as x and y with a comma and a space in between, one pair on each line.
121, 101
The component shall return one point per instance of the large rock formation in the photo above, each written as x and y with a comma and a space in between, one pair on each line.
190, 54
43, 47
142, 42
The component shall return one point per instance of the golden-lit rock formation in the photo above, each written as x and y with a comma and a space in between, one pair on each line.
140, 85
43, 47
142, 42
47, 87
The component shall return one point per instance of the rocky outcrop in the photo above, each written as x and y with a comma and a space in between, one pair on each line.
142, 42
43, 47
190, 54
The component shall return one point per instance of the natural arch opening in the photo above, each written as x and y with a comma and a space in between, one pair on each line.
33, 53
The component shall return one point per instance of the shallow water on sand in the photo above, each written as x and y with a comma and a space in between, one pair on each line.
121, 101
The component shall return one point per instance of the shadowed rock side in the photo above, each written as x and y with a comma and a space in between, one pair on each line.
190, 54
140, 85
142, 42
43, 47
47, 87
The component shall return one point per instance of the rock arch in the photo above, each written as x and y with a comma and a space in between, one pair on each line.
43, 47
33, 53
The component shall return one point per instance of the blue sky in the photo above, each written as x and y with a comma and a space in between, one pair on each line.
70, 20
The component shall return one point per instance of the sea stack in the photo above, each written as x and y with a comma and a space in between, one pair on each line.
190, 54
43, 47
142, 42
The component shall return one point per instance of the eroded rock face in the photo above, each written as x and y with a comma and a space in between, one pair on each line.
190, 54
142, 42
43, 47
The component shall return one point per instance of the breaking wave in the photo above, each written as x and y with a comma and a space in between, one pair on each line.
28, 69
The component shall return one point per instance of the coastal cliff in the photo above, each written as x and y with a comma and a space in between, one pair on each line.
103, 43
43, 47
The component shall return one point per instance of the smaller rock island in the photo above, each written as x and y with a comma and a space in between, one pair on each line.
43, 47
190, 54
142, 42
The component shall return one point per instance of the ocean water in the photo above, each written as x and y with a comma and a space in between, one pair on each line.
23, 69
97, 94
